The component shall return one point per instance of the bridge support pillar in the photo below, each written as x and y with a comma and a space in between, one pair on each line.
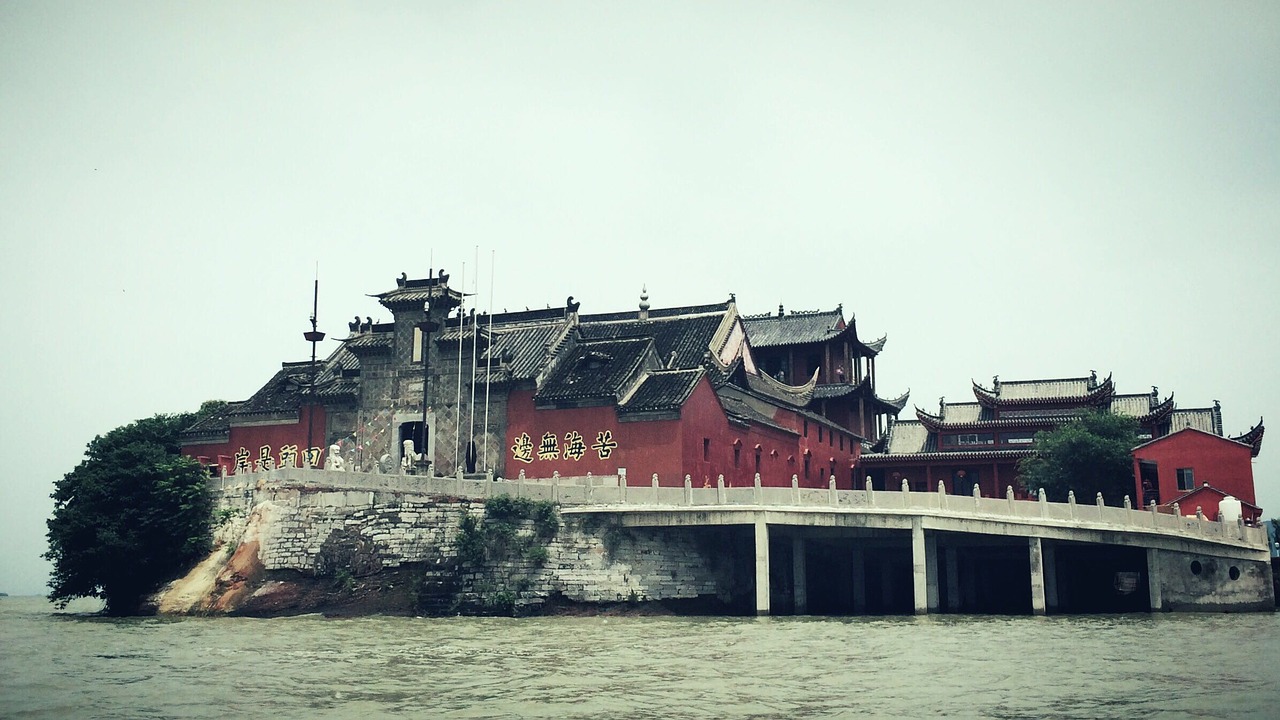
931, 571
1050, 578
762, 566
919, 567
1037, 575
859, 580
953, 580
1153, 580
799, 576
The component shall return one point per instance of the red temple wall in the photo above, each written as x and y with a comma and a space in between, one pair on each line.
253, 438
1223, 464
700, 444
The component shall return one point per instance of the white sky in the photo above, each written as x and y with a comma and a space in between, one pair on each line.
1022, 189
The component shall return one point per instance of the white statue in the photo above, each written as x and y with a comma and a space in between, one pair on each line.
410, 457
385, 463
333, 461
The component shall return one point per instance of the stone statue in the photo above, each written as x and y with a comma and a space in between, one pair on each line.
385, 463
333, 460
410, 458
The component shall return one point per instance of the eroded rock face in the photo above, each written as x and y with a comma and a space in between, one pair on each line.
347, 549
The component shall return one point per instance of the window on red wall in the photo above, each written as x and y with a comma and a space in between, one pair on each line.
706, 448
1186, 479
737, 453
842, 441
806, 467
819, 433
758, 459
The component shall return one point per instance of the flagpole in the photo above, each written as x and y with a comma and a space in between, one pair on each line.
462, 317
488, 362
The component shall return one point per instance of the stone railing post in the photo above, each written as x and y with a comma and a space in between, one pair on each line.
1101, 504
688, 490
795, 490
1239, 527
870, 490
653, 480
832, 498
755, 492
1128, 504
1071, 503
1008, 495
520, 485
977, 496
555, 487
720, 489
942, 494
622, 486
1044, 502
1200, 519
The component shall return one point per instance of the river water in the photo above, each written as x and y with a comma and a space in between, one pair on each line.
76, 665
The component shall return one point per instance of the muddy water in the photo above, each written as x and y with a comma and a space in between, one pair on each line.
60, 665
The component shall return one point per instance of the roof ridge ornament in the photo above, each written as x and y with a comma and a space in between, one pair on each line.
644, 302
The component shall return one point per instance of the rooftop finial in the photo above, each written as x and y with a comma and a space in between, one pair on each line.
644, 302
780, 310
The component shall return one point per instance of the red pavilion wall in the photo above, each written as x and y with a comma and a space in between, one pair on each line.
1222, 463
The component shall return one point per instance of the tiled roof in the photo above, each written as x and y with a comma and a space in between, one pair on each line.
659, 313
838, 390
909, 436
1198, 418
1131, 405
1085, 389
1253, 438
795, 395
765, 331
524, 348
595, 371
875, 346
689, 337
663, 390
413, 293
214, 423
371, 342
745, 407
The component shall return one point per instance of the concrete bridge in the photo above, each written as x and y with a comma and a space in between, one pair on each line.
818, 549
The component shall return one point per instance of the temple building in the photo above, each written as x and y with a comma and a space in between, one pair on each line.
980, 443
697, 391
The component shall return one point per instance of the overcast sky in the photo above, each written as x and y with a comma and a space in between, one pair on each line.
1023, 189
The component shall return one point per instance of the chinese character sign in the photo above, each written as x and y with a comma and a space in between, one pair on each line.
548, 449
242, 461
289, 456
574, 446
604, 445
265, 461
522, 450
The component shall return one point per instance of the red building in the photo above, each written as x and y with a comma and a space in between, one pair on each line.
981, 442
1195, 468
672, 392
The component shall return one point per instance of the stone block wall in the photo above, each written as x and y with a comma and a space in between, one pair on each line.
361, 533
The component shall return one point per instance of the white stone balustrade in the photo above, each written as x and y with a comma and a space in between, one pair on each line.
604, 491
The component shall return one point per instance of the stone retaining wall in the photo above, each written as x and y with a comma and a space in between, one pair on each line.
361, 533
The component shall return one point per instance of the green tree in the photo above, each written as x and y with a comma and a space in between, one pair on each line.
132, 515
1089, 454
